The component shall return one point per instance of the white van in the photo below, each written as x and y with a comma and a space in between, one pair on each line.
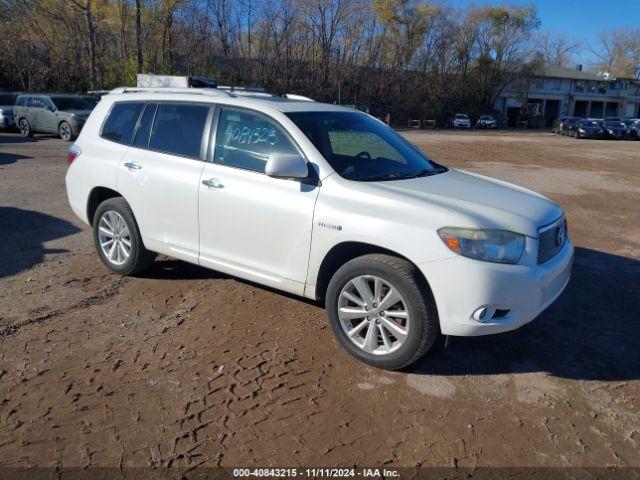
320, 201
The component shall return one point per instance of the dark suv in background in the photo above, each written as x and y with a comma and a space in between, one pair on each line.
615, 128
7, 120
587, 128
51, 113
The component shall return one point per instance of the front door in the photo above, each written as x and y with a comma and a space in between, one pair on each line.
47, 118
252, 225
160, 173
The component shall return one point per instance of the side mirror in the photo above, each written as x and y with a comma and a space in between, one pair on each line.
286, 166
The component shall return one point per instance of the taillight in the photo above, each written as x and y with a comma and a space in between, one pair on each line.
73, 153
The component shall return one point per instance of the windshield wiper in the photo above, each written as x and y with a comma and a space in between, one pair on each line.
427, 172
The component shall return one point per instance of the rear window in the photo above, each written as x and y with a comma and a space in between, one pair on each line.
121, 122
178, 129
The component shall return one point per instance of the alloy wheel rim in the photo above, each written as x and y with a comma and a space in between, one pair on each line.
114, 237
65, 131
373, 314
24, 127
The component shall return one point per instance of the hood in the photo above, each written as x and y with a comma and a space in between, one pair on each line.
77, 113
485, 202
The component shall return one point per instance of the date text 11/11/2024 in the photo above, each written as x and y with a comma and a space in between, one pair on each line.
315, 472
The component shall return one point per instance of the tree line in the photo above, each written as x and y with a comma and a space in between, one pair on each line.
411, 58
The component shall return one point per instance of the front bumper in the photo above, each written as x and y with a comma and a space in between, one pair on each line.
76, 125
588, 134
461, 285
618, 135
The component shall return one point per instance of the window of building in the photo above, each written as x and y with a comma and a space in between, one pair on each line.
557, 83
539, 82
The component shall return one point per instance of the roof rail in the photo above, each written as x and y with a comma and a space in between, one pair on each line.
216, 92
197, 91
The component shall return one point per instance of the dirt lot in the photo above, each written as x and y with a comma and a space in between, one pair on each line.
185, 366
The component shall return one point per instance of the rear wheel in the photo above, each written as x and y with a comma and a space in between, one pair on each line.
25, 128
117, 238
381, 311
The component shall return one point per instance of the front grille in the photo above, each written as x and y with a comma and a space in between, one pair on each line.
551, 239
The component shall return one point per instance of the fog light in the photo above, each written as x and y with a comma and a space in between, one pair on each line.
480, 314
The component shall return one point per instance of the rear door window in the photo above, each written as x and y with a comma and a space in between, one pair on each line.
178, 129
121, 121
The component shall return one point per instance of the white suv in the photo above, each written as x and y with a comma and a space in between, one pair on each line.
320, 201
461, 120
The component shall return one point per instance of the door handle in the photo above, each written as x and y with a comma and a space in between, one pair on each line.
132, 166
212, 183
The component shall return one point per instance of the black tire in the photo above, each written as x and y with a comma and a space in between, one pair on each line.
65, 132
403, 275
139, 258
25, 128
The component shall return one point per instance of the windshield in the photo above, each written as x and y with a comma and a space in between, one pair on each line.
616, 124
363, 149
486, 118
7, 99
71, 103
589, 123
461, 116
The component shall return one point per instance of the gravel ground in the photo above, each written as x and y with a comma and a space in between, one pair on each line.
183, 366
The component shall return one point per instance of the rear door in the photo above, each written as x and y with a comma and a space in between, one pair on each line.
159, 175
34, 112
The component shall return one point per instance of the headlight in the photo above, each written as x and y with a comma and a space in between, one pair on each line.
610, 131
581, 130
498, 246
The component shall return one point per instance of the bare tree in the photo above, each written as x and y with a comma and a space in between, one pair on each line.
91, 37
556, 49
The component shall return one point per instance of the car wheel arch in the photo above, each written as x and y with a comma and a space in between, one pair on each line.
96, 197
343, 252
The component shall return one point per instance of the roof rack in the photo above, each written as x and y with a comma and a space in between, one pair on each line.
232, 92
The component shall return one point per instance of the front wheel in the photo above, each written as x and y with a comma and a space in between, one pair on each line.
25, 128
381, 311
65, 132
117, 238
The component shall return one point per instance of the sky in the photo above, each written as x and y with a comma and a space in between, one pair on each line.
578, 19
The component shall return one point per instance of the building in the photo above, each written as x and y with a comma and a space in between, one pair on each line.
568, 92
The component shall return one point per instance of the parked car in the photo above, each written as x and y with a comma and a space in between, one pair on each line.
51, 113
461, 120
320, 201
91, 99
615, 129
7, 119
558, 124
587, 128
486, 121
568, 124
634, 130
